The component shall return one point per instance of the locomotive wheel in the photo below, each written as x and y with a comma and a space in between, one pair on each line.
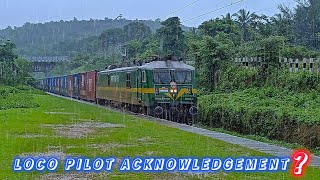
134, 108
166, 114
144, 110
184, 116
170, 115
174, 114
150, 111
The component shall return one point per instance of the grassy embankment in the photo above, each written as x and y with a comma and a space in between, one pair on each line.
271, 103
50, 129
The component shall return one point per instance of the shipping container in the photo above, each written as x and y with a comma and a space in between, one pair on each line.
70, 86
90, 86
47, 88
57, 85
76, 88
82, 84
51, 85
64, 85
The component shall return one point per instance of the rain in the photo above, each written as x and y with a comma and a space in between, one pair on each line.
189, 89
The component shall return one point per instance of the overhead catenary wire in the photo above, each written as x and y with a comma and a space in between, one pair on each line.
209, 12
193, 2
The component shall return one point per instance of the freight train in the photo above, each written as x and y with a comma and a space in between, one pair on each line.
161, 88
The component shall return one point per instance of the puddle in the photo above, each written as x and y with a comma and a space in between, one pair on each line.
32, 136
65, 113
72, 176
58, 154
108, 147
79, 130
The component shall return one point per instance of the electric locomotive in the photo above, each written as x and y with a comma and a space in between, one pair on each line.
161, 88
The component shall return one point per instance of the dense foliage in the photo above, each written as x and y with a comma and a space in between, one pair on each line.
95, 44
61, 37
235, 77
17, 97
172, 37
13, 70
269, 112
264, 100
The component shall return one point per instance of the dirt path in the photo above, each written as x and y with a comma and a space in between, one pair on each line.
251, 144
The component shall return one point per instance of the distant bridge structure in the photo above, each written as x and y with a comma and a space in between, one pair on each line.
45, 63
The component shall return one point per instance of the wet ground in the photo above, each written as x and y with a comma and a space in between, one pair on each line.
251, 144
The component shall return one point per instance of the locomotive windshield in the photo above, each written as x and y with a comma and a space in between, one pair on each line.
182, 76
162, 76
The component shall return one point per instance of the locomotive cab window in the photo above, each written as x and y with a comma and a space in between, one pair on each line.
162, 76
128, 80
182, 76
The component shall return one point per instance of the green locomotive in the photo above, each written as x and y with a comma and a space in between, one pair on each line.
162, 88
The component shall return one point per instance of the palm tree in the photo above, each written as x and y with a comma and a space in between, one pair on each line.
244, 19
227, 17
283, 22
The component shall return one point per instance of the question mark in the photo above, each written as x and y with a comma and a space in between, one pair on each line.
301, 159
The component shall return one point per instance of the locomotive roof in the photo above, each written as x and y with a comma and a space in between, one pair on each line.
156, 65
166, 65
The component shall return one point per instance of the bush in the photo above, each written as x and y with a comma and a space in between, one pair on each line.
273, 113
234, 77
12, 97
29, 89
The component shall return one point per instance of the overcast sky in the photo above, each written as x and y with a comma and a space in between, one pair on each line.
17, 12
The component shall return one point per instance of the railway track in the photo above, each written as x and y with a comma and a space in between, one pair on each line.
250, 144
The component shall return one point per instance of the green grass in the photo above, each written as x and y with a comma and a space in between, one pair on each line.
138, 138
17, 97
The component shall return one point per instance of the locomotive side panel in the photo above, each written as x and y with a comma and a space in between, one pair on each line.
118, 86
147, 88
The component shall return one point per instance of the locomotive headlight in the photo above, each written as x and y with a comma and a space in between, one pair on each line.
173, 91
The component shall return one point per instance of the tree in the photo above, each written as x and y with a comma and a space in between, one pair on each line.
307, 22
132, 48
7, 65
12, 69
216, 26
137, 31
149, 48
283, 24
23, 71
112, 37
172, 36
207, 52
244, 19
